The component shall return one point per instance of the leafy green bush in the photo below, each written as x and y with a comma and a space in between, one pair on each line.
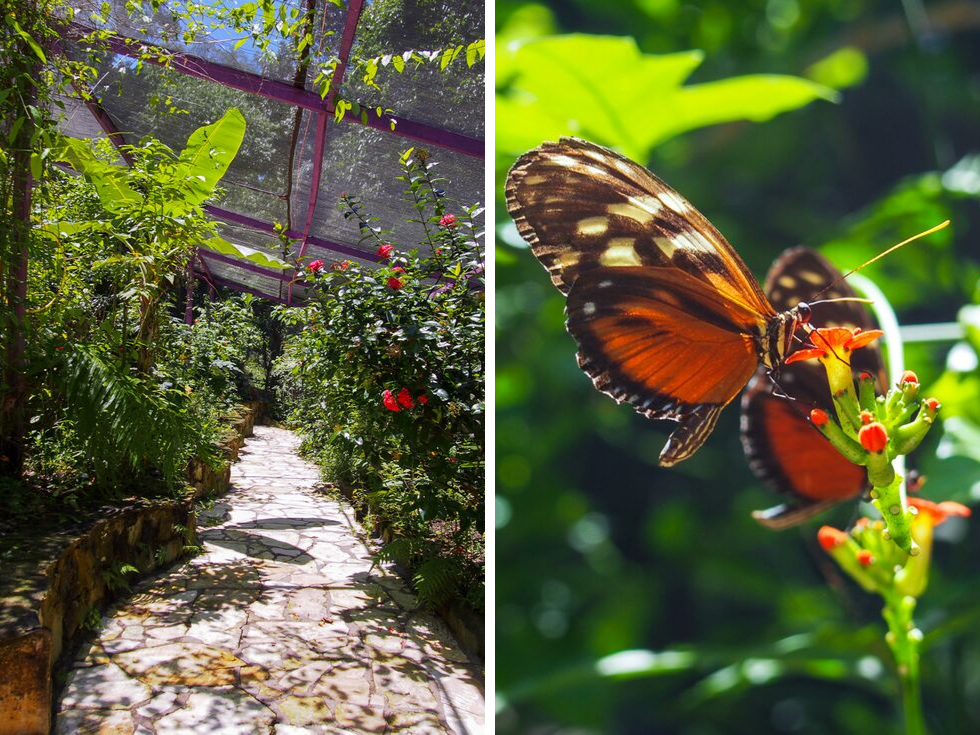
384, 374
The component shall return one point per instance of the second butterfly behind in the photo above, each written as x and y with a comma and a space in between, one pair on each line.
666, 315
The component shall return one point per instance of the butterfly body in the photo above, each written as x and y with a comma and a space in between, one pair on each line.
666, 315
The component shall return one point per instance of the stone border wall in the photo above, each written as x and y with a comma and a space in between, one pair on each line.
58, 586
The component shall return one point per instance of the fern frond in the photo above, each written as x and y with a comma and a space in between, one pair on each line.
125, 421
435, 581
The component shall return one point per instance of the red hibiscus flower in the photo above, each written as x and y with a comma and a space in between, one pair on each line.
389, 401
448, 220
405, 398
395, 283
315, 266
386, 250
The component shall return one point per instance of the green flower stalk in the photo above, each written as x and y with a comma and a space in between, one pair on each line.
882, 568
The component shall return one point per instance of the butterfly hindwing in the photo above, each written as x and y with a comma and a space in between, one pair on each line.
667, 316
781, 446
653, 337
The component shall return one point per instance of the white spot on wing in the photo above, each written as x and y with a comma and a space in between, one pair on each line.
620, 252
674, 202
666, 244
592, 226
642, 209
605, 284
588, 308
810, 277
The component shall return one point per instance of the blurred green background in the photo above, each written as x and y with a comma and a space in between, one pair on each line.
632, 599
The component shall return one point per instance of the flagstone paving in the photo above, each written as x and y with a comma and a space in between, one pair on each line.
282, 625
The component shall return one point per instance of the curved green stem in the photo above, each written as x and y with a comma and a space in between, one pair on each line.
903, 639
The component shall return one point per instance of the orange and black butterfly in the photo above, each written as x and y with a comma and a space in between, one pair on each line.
666, 315
782, 447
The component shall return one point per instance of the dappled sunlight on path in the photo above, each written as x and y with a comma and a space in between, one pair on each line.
281, 626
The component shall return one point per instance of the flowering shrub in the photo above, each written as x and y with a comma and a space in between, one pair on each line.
384, 372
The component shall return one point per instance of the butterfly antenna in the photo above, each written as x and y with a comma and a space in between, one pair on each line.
892, 249
842, 298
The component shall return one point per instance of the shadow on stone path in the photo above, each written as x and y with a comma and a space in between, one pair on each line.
280, 626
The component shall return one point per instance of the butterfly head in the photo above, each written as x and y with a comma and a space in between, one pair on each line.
777, 341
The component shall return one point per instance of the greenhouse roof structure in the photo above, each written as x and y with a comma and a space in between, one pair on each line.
299, 155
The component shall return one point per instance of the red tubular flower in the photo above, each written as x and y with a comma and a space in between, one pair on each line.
830, 537
909, 377
867, 417
448, 220
864, 558
819, 417
398, 269
389, 401
932, 404
405, 398
936, 513
395, 283
386, 250
838, 341
873, 437
315, 266
422, 399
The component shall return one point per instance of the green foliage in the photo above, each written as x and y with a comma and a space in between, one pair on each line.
647, 598
121, 417
384, 373
622, 97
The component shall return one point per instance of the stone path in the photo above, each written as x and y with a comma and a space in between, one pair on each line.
282, 625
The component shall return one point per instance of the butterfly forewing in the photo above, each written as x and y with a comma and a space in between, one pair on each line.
666, 315
782, 448
581, 206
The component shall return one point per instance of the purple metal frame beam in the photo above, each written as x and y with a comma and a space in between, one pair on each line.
257, 224
244, 289
251, 83
244, 265
346, 44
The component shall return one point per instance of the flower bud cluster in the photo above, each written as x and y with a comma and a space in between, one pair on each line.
870, 430
867, 555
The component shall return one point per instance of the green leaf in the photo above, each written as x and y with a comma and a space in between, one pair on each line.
548, 92
266, 260
30, 41
109, 181
845, 67
399, 63
208, 154
58, 230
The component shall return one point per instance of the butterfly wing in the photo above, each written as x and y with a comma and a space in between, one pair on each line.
664, 342
664, 311
782, 448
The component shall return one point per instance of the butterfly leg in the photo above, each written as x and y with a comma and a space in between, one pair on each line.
778, 390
